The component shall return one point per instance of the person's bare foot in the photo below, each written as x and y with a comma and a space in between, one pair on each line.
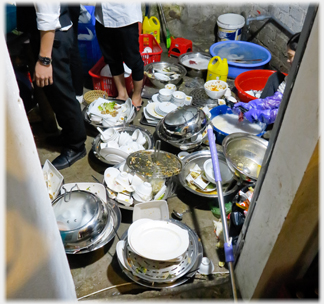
122, 97
137, 100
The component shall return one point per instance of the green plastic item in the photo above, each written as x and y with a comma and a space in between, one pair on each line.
216, 211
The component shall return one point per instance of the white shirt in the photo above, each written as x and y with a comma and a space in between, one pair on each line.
118, 14
48, 15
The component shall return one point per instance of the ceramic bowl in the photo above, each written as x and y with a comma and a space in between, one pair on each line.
215, 88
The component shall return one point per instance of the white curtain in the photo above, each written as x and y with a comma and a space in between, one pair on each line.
36, 263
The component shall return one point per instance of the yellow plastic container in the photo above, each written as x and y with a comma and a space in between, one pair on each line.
152, 26
217, 69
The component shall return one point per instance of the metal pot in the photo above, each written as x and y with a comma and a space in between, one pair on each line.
244, 155
81, 217
192, 71
185, 122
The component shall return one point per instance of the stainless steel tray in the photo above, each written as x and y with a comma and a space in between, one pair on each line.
129, 129
201, 99
199, 158
196, 251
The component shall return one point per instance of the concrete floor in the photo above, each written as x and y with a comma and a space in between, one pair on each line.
97, 275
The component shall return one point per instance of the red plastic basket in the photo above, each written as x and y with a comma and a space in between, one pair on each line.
148, 40
105, 83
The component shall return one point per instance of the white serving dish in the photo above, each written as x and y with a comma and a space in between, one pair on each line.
154, 210
54, 179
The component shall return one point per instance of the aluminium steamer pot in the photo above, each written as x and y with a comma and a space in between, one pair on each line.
81, 217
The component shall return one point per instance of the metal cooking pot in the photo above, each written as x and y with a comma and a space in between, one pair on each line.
81, 217
185, 122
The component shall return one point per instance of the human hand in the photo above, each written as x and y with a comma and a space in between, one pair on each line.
43, 75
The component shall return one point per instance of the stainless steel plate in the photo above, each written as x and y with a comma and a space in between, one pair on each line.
129, 129
197, 254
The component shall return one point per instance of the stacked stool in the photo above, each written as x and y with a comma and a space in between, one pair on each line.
180, 46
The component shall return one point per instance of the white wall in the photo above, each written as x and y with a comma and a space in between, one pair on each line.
36, 263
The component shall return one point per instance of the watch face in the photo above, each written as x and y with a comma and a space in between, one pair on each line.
44, 60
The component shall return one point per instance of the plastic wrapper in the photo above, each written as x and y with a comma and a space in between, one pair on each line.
263, 110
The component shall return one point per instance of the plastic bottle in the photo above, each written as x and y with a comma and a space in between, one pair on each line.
217, 69
152, 26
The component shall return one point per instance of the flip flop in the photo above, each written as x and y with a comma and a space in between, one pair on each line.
138, 108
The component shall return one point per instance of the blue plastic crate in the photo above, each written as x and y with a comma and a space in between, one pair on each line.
89, 49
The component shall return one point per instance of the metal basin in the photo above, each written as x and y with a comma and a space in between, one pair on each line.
177, 68
244, 154
199, 158
191, 70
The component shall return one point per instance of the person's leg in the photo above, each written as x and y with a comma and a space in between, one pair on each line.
62, 98
133, 59
111, 49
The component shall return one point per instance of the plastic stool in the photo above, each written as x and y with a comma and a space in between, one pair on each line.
180, 46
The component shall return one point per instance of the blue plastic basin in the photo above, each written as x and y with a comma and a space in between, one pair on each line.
220, 135
240, 49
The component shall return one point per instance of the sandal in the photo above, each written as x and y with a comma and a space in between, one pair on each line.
138, 108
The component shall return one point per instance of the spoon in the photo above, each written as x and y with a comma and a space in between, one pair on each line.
101, 132
179, 215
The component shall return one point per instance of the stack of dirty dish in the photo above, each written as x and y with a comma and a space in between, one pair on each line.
129, 188
116, 146
158, 251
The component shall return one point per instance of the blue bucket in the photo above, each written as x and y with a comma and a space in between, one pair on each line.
220, 135
231, 49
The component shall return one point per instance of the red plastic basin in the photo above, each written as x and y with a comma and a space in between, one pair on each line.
251, 80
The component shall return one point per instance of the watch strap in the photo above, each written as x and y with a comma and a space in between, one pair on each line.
44, 60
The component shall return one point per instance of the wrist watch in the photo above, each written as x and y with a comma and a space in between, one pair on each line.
44, 60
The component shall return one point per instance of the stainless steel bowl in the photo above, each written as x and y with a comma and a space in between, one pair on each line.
191, 70
154, 66
185, 122
81, 217
182, 143
199, 158
244, 155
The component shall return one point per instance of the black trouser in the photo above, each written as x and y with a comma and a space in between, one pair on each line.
272, 84
120, 45
61, 94
76, 62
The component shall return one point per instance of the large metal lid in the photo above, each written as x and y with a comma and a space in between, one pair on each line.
181, 116
151, 163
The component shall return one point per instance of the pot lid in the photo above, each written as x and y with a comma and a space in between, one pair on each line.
181, 116
75, 209
150, 163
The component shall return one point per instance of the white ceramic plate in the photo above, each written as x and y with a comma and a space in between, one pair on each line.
150, 118
154, 210
120, 246
159, 240
114, 159
95, 188
150, 108
155, 98
165, 107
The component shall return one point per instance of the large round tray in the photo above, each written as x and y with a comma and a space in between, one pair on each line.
129, 129
165, 166
199, 158
191, 70
170, 184
109, 231
201, 99
87, 119
196, 252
